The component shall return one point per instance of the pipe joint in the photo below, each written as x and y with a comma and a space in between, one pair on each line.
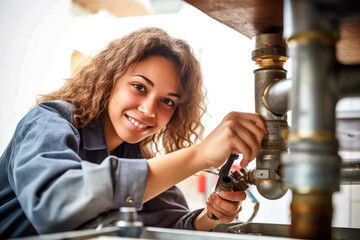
307, 37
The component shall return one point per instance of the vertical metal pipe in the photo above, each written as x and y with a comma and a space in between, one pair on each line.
270, 56
312, 167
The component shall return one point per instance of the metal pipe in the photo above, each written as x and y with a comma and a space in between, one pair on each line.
276, 95
276, 98
312, 166
311, 214
270, 56
348, 82
350, 172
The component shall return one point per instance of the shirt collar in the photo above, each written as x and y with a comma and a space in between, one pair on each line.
94, 137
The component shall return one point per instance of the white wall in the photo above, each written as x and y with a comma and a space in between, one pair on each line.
37, 38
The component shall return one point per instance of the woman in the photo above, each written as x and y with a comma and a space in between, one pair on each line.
121, 132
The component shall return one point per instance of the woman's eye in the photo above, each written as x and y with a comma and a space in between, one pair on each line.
139, 87
169, 102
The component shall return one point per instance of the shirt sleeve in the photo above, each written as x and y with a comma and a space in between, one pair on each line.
57, 190
169, 210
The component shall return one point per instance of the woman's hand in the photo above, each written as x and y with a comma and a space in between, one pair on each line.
225, 205
237, 133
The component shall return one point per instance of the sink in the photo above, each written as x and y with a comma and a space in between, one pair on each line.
238, 231
281, 230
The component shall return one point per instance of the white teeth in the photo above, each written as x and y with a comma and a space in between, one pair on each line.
136, 123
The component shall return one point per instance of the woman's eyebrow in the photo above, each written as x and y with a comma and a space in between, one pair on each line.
146, 79
174, 95
152, 84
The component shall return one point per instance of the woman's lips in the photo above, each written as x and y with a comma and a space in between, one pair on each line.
137, 124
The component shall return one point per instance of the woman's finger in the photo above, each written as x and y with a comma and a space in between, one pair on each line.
233, 196
256, 119
254, 130
225, 207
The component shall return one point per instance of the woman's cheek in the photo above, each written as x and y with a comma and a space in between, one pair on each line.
164, 116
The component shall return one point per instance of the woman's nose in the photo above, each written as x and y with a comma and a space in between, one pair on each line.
148, 107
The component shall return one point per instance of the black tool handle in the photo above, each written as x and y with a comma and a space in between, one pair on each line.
223, 174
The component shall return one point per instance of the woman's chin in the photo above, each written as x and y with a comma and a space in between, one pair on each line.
133, 140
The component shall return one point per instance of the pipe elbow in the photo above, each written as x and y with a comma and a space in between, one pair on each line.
271, 189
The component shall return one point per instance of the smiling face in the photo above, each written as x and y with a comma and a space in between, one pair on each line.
142, 101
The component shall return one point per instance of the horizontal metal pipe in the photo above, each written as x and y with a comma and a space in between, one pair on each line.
348, 82
350, 172
276, 96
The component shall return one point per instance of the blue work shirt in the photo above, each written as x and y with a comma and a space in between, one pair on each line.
55, 177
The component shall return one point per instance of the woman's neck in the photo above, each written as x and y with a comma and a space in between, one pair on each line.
112, 140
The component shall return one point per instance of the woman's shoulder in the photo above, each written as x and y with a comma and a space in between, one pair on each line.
54, 108
49, 112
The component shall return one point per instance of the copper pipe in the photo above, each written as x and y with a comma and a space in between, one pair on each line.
311, 214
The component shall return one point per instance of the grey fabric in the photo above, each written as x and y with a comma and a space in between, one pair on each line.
46, 183
57, 178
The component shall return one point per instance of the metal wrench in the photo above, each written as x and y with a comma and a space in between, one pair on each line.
224, 182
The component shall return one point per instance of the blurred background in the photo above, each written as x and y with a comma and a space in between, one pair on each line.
39, 37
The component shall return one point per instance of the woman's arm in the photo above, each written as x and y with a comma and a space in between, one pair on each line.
237, 133
56, 188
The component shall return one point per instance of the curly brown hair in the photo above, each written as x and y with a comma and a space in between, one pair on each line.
89, 90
